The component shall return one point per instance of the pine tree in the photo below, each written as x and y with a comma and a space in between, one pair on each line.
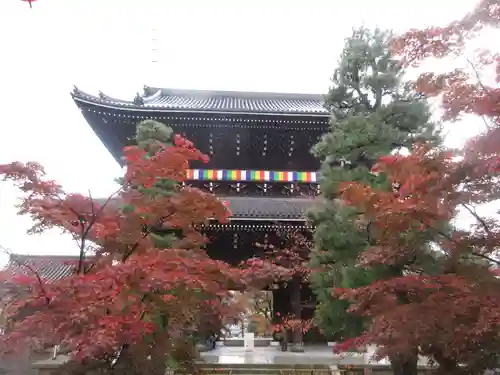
373, 113
151, 136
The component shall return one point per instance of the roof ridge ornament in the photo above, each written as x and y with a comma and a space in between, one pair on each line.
76, 90
138, 100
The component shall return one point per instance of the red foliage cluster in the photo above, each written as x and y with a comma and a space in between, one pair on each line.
284, 261
290, 323
424, 198
455, 315
452, 316
348, 345
460, 94
131, 293
286, 256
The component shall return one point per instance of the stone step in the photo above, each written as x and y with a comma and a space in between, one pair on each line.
284, 371
261, 371
239, 342
260, 366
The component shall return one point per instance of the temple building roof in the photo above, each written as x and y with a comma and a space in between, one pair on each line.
262, 208
49, 267
268, 208
206, 101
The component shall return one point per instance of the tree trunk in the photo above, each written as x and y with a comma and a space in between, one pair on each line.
141, 360
446, 366
404, 365
125, 364
295, 302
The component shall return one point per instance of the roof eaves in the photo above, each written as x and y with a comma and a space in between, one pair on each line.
106, 101
275, 217
263, 208
268, 208
136, 108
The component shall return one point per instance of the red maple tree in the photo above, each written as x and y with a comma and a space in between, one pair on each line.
127, 303
451, 311
285, 261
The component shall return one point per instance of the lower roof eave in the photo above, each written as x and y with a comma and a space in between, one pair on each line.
272, 219
257, 225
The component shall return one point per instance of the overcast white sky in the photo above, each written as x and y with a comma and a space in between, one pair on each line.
261, 45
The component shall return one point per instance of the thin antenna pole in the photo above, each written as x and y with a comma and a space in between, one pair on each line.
155, 53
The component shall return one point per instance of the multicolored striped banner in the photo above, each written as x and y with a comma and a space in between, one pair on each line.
241, 175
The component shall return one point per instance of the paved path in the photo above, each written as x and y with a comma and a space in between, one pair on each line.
312, 355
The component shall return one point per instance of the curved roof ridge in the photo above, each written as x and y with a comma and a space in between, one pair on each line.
211, 101
269, 95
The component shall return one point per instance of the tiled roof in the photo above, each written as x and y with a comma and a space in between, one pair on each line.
49, 267
264, 208
267, 208
161, 99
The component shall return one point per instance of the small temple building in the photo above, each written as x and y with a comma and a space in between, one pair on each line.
48, 267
